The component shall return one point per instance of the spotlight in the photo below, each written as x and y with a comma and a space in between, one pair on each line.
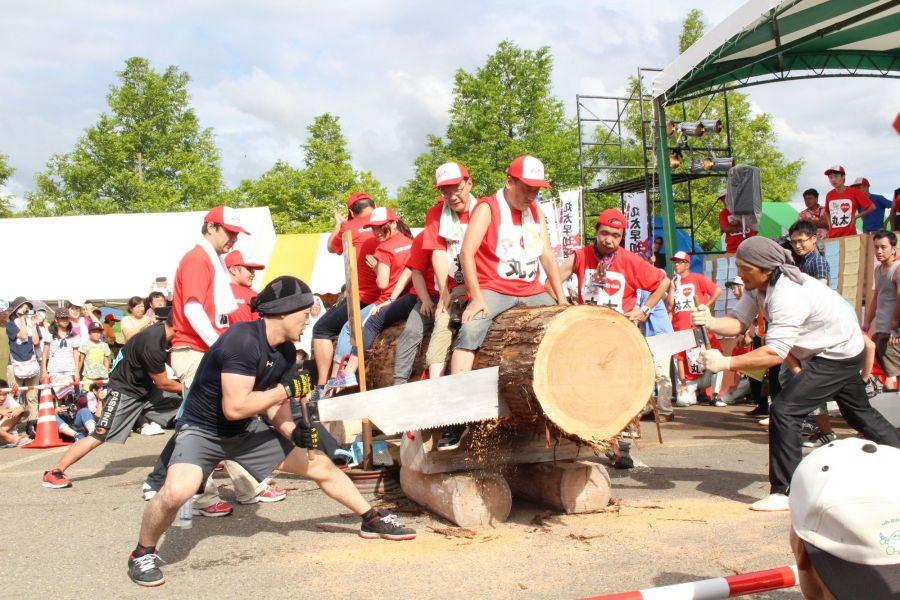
670, 128
720, 164
691, 128
675, 159
712, 126
696, 167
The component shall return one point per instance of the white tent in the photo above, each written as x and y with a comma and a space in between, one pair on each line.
109, 258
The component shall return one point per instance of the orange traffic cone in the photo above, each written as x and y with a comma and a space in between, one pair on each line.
47, 435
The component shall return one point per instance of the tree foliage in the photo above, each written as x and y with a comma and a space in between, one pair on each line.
6, 172
147, 154
753, 142
304, 199
501, 110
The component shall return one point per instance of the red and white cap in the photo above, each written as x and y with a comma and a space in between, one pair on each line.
860, 181
356, 197
681, 255
449, 174
529, 171
236, 259
612, 217
227, 217
381, 215
835, 169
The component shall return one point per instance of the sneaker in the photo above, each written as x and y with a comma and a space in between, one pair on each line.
809, 427
387, 526
820, 439
624, 462
56, 480
771, 503
144, 570
147, 491
716, 401
219, 467
152, 428
270, 494
764, 422
758, 412
219, 509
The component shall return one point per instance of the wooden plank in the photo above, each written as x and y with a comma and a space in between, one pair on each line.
355, 324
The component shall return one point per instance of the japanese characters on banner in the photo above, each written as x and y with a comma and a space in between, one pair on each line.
548, 207
569, 221
636, 231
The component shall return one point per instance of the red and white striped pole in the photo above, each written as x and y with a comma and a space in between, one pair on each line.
46, 386
715, 589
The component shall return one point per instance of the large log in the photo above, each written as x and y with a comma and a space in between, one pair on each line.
572, 487
467, 499
582, 372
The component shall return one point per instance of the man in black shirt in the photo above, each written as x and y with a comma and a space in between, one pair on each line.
250, 369
131, 383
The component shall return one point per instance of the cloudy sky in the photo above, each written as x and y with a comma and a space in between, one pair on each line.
262, 70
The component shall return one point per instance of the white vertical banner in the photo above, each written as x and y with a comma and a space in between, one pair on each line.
570, 221
636, 215
551, 216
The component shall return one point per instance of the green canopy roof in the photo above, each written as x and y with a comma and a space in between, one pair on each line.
770, 40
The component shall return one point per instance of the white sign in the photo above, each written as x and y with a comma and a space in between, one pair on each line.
636, 226
570, 221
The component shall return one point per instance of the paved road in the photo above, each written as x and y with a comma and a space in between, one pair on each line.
683, 517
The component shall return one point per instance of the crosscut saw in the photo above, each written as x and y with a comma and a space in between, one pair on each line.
452, 399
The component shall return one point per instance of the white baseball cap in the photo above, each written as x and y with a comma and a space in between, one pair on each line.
681, 255
449, 174
736, 280
845, 506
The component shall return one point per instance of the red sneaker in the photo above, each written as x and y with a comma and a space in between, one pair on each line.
219, 467
270, 494
219, 509
56, 480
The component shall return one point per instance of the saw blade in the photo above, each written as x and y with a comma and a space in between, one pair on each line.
429, 404
665, 346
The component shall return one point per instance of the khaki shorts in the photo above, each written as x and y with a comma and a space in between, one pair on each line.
441, 333
185, 362
888, 356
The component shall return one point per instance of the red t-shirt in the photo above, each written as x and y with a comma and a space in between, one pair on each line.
393, 252
361, 232
498, 268
434, 241
626, 274
193, 281
733, 240
368, 286
690, 286
841, 208
420, 260
243, 295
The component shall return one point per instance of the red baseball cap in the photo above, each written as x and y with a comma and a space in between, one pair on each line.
110, 318
528, 170
381, 215
226, 217
612, 217
356, 197
860, 181
449, 173
835, 169
236, 259
681, 255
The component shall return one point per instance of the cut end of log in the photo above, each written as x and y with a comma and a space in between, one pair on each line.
592, 373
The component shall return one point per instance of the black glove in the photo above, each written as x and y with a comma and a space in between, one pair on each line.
305, 436
296, 382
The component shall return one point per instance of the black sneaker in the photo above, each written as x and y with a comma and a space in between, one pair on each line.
387, 526
820, 439
144, 570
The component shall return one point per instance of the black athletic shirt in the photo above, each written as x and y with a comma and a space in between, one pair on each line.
242, 350
145, 353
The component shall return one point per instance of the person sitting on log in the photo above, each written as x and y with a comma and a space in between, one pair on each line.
503, 249
420, 319
393, 304
609, 275
445, 225
327, 329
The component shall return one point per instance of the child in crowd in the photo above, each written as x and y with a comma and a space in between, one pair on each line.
94, 355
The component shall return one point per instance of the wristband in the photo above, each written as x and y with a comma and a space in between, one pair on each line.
287, 391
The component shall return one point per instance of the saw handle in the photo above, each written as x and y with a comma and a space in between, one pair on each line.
701, 332
304, 410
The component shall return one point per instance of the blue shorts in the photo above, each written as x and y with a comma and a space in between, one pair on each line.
472, 333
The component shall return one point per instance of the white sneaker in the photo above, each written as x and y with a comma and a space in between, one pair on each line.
764, 422
152, 428
147, 491
771, 503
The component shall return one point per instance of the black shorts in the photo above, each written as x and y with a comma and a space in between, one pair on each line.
329, 325
259, 449
120, 413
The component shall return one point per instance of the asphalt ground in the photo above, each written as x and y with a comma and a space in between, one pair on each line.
682, 517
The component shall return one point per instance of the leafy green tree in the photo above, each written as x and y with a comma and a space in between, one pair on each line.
147, 154
753, 142
6, 172
501, 110
305, 199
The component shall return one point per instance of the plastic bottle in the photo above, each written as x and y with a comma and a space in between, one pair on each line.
185, 517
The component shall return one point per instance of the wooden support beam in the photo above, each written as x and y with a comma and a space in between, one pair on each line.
467, 499
572, 487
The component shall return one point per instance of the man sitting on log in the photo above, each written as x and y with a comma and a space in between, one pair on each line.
503, 245
609, 275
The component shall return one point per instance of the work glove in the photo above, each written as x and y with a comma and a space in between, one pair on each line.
714, 361
305, 436
701, 317
296, 382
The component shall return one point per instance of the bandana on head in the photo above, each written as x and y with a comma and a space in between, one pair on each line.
764, 253
283, 295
